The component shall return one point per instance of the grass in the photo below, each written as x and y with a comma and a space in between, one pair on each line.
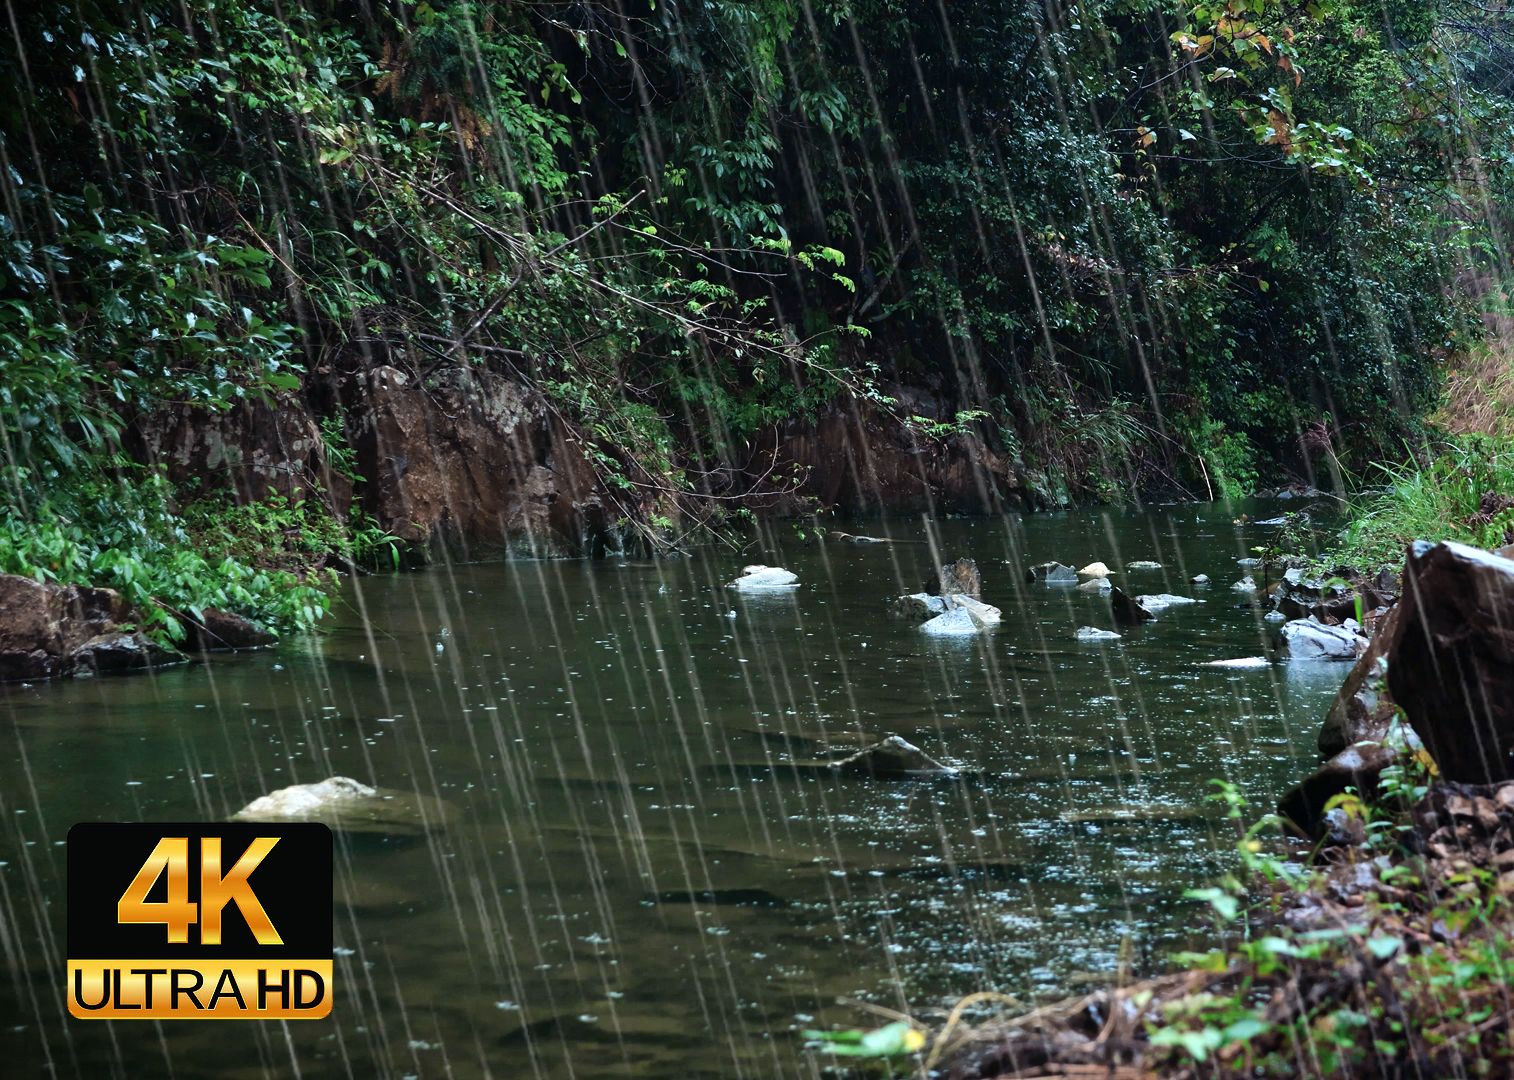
1463, 492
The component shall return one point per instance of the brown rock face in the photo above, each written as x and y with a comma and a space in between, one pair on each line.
256, 449
858, 460
52, 630
1363, 708
1451, 667
482, 468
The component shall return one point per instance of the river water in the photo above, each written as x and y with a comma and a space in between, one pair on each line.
638, 880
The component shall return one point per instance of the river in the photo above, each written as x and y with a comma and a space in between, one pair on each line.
636, 883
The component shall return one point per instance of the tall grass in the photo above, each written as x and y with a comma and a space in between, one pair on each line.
1465, 492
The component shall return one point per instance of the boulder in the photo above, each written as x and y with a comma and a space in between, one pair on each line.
758, 578
960, 578
1143, 564
1100, 585
47, 631
1094, 569
1199, 579
1245, 585
1052, 573
916, 606
348, 805
1127, 611
894, 758
1363, 709
479, 464
1451, 663
1310, 639
964, 615
1335, 599
1358, 767
1158, 601
1093, 633
219, 631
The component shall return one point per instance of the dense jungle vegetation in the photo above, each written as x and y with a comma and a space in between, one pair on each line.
1135, 242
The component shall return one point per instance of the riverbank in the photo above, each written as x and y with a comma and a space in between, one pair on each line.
1368, 930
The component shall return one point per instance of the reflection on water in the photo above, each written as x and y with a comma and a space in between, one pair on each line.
647, 874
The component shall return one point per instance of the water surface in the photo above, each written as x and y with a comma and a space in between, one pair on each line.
638, 880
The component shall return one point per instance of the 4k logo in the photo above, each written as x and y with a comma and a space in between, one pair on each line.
235, 917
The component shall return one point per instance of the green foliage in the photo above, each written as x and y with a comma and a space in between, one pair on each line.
120, 533
1463, 490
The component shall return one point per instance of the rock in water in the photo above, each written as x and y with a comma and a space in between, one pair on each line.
985, 614
1093, 633
1363, 709
917, 606
764, 577
220, 631
1127, 612
1143, 564
1310, 639
347, 805
1451, 668
1053, 573
1098, 585
894, 758
1245, 585
960, 578
1094, 569
1199, 579
1240, 663
1159, 601
51, 630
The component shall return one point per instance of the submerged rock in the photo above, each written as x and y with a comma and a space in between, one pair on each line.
47, 631
1093, 633
1157, 601
894, 758
721, 897
1127, 611
348, 805
764, 577
1095, 569
1143, 564
1310, 639
1199, 579
1098, 585
960, 578
1451, 667
1240, 663
1245, 585
1052, 573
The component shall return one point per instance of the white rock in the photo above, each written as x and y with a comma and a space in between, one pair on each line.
1246, 584
1143, 564
1199, 579
958, 622
1163, 600
1242, 662
1093, 633
764, 577
1096, 585
1310, 639
984, 615
347, 805
1095, 569
300, 801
